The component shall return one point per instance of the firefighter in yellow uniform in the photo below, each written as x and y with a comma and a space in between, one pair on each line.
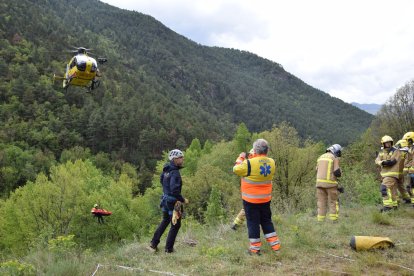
402, 146
409, 163
256, 189
328, 171
389, 159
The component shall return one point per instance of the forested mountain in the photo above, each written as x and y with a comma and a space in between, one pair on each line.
160, 90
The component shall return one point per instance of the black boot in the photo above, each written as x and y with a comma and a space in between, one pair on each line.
386, 209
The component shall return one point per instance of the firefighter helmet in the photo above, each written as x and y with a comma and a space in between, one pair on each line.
336, 150
409, 136
386, 139
401, 144
175, 153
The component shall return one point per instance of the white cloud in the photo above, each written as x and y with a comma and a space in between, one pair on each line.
355, 50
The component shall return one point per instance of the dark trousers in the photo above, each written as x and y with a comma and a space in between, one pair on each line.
258, 215
172, 234
100, 219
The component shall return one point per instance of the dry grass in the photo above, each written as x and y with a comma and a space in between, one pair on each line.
308, 248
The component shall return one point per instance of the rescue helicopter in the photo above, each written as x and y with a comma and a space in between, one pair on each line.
82, 70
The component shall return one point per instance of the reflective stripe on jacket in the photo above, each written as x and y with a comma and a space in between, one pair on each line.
326, 165
257, 174
390, 171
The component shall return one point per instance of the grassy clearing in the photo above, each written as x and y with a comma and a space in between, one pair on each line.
308, 247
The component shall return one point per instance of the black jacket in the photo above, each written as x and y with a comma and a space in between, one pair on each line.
171, 182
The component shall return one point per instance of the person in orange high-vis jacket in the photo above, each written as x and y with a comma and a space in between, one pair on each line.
327, 184
256, 189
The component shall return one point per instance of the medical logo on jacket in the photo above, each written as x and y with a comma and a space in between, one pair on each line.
265, 169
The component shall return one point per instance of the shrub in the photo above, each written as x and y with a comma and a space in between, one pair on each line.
14, 267
62, 244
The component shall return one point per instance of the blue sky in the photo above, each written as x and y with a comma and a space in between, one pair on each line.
358, 51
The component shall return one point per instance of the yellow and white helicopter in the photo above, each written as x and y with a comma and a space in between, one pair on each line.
82, 70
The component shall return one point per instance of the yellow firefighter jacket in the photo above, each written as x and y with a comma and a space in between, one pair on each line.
257, 174
409, 161
394, 170
326, 165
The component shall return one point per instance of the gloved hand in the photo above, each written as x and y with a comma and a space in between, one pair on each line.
341, 189
186, 201
175, 217
176, 212
388, 163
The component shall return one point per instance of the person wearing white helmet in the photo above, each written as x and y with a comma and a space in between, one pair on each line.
95, 211
327, 174
388, 159
171, 185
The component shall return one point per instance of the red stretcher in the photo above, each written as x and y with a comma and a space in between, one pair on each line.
101, 212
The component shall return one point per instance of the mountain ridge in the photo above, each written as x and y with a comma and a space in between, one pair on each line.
371, 108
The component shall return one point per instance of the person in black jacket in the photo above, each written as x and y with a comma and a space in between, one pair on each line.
171, 185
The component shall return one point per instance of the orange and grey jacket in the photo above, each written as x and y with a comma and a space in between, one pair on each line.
390, 162
257, 174
409, 161
327, 171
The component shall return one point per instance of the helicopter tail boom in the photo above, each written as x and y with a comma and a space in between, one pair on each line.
58, 77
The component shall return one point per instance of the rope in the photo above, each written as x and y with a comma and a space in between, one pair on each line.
336, 271
96, 270
336, 256
410, 269
135, 268
386, 263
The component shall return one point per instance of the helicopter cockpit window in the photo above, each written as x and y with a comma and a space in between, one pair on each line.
73, 63
81, 65
81, 61
94, 67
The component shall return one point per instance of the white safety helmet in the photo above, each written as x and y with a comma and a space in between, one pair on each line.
175, 153
336, 150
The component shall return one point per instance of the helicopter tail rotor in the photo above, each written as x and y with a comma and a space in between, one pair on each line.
102, 60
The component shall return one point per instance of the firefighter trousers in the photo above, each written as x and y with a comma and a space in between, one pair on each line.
327, 197
389, 192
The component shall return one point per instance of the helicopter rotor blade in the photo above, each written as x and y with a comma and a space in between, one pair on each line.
79, 47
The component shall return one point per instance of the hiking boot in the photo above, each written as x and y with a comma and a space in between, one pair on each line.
251, 253
169, 251
407, 200
152, 248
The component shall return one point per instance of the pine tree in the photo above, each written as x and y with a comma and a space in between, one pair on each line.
215, 211
242, 138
